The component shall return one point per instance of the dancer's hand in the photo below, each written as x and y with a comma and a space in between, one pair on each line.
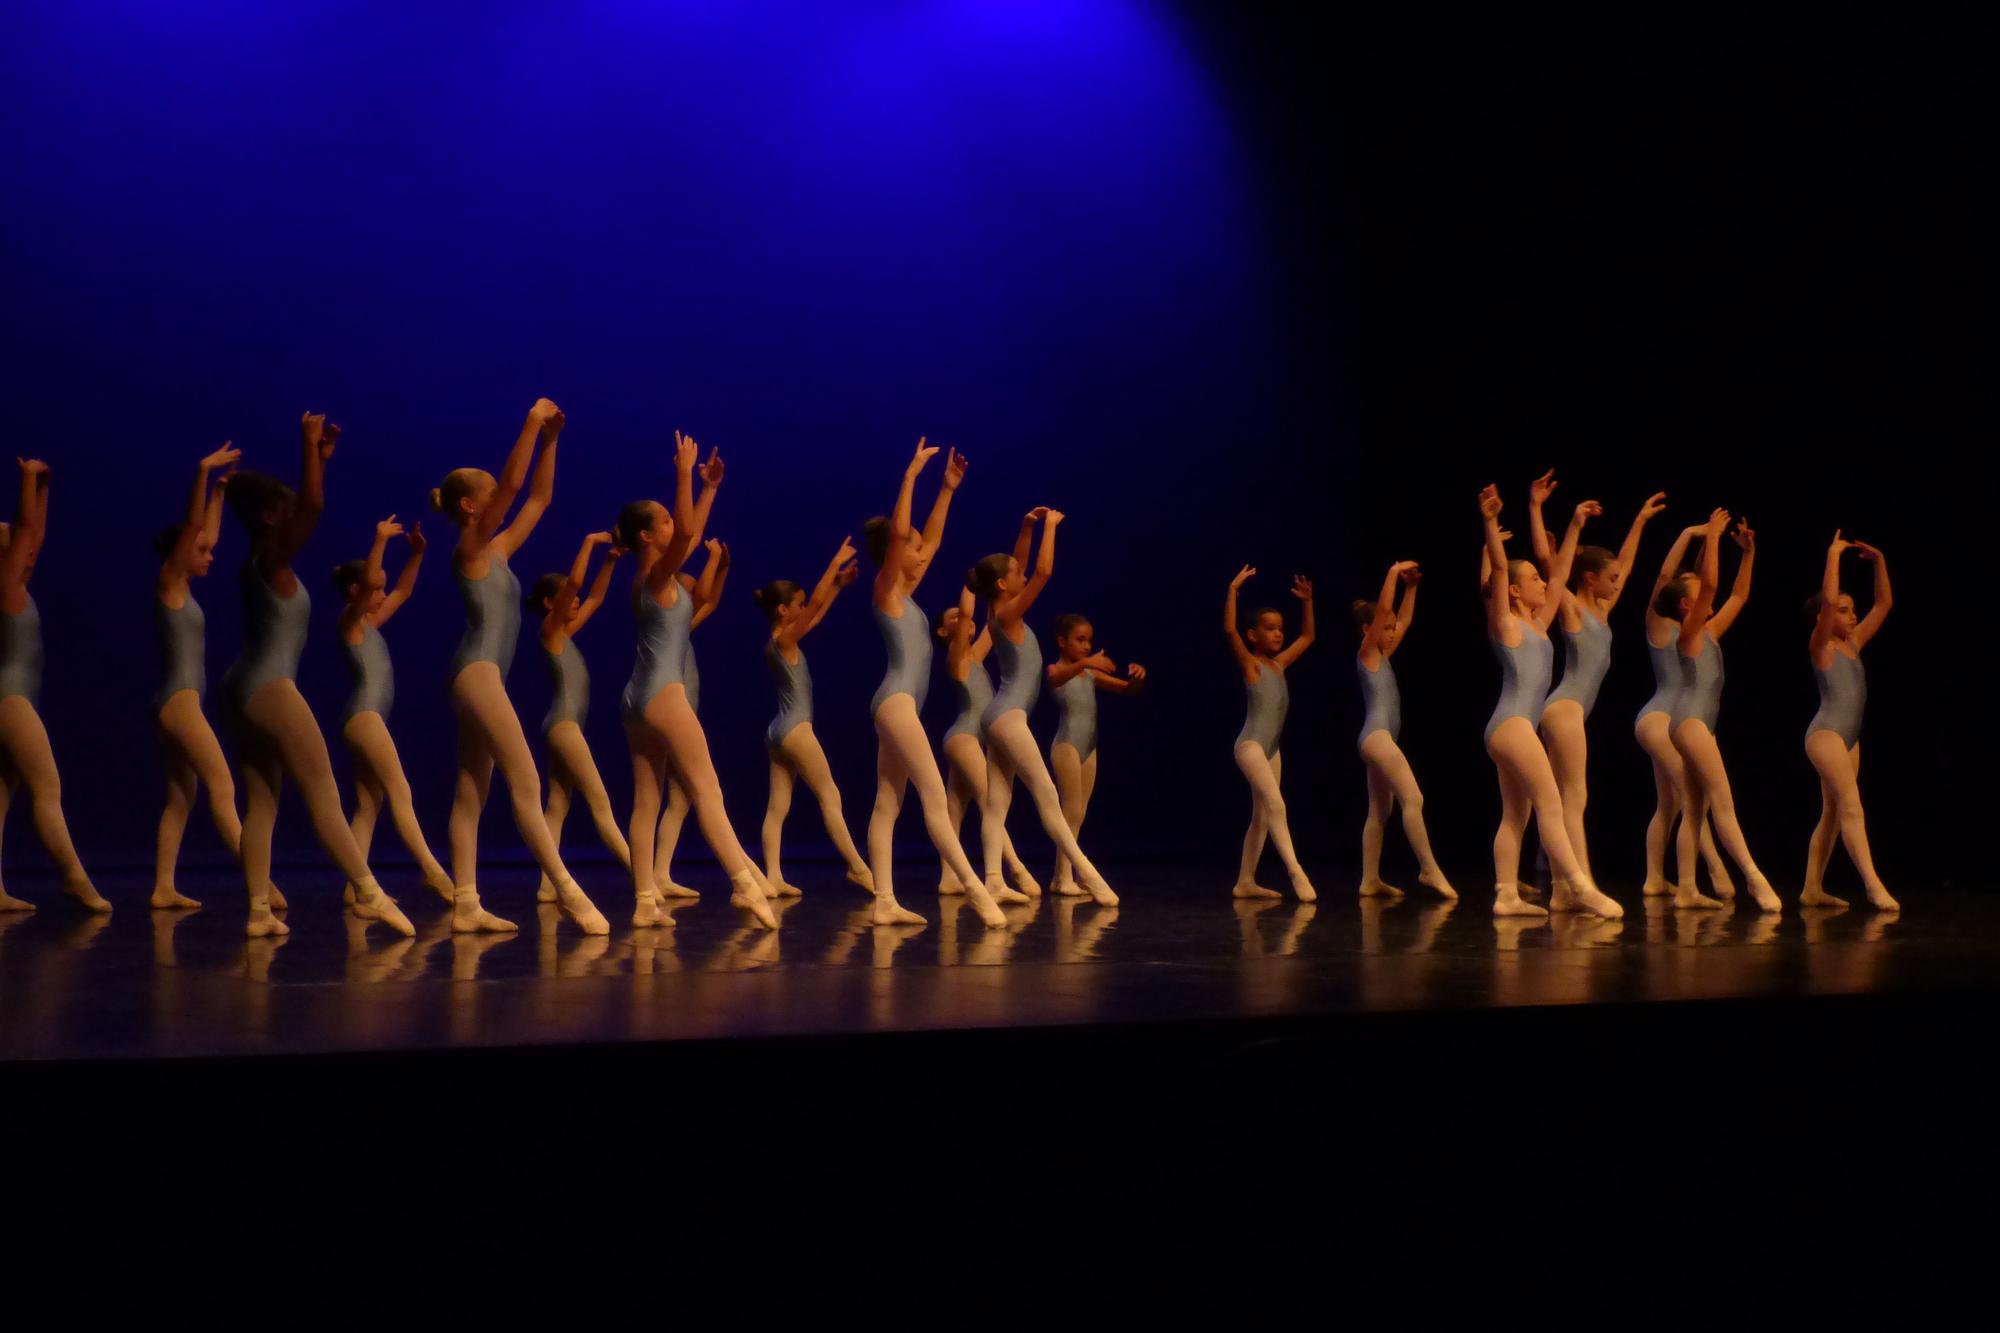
1838, 546
329, 437
1542, 487
1134, 671
1407, 571
722, 554
1099, 661
221, 458
1718, 522
312, 428
1586, 511
711, 471
1865, 551
1489, 503
1243, 576
415, 537
846, 574
954, 470
1036, 515
32, 468
388, 528
598, 539
685, 452
1302, 587
1051, 517
616, 552
925, 452
1745, 538
1656, 504
542, 411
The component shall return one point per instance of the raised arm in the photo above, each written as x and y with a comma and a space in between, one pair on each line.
1385, 606
1499, 616
1884, 599
1024, 539
1629, 552
1391, 623
1671, 565
1017, 606
840, 571
1829, 598
960, 642
1739, 591
581, 613
1406, 614
1302, 589
1230, 624
204, 513
1539, 491
710, 473
514, 472
954, 473
1558, 570
541, 490
708, 588
406, 578
30, 513
318, 438
1708, 573
679, 547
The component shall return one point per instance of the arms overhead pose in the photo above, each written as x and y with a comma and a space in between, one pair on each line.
705, 591
1262, 656
1383, 624
964, 755
1078, 673
1833, 737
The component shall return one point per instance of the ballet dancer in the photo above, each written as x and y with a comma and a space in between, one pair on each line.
1263, 657
1690, 599
275, 727
489, 730
1596, 579
188, 743
1383, 624
565, 608
1010, 591
794, 748
660, 723
902, 556
1833, 737
378, 768
25, 755
706, 590
1519, 609
965, 665
1075, 677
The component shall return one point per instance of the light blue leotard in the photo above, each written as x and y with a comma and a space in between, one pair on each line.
1020, 675
492, 616
1384, 700
1843, 695
374, 677
1586, 660
1268, 699
21, 653
183, 649
1078, 697
691, 669
974, 693
274, 636
571, 678
1666, 678
663, 639
908, 639
1524, 677
1700, 696
795, 693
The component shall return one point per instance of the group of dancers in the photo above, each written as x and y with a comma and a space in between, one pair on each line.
1536, 736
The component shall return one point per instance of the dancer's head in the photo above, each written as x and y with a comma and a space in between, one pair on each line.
1365, 612
997, 576
1844, 620
1677, 596
363, 590
260, 502
200, 559
1264, 631
1073, 637
878, 532
645, 526
1526, 585
463, 495
542, 593
1594, 572
780, 600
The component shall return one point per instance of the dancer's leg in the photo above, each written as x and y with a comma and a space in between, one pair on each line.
808, 761
687, 751
776, 807
26, 745
263, 778
375, 750
182, 782
649, 776
1518, 752
1567, 743
1009, 737
1705, 772
1066, 765
1253, 843
1263, 773
905, 758
1840, 772
667, 838
1386, 758
570, 753
966, 759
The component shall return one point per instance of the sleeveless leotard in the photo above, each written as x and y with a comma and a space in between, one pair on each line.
1701, 685
21, 653
274, 636
374, 677
974, 693
1078, 697
663, 639
183, 649
908, 639
571, 678
1586, 660
1383, 699
1843, 695
795, 693
1666, 678
492, 616
1267, 699
1524, 677
1020, 675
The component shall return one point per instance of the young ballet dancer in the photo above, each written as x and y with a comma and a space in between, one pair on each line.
565, 608
1690, 599
902, 556
706, 589
660, 724
274, 724
1596, 579
188, 743
1383, 624
489, 730
794, 748
1519, 609
965, 757
1833, 737
25, 755
1010, 591
1075, 677
378, 768
1263, 657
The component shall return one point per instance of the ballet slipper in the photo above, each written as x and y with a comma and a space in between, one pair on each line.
1507, 902
571, 901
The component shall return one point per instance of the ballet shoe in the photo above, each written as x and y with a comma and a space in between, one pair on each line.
570, 899
1695, 898
1762, 894
167, 898
546, 891
673, 890
647, 912
1026, 882
444, 889
1587, 897
347, 894
1656, 888
1101, 894
263, 924
1507, 902
862, 877
1882, 902
1302, 888
278, 900
1813, 896
9, 903
1065, 887
781, 889
1438, 884
982, 903
948, 885
1561, 898
383, 908
86, 893
1251, 889
1725, 889
468, 917
745, 886
1375, 888
996, 888
889, 912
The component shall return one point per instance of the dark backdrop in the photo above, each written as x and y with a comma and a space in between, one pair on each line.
1222, 283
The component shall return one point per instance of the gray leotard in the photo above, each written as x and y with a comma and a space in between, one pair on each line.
374, 677
908, 639
1269, 698
274, 635
571, 700
1383, 699
1020, 675
1701, 685
183, 649
1843, 694
691, 670
795, 693
1524, 677
1078, 697
1586, 659
1666, 678
974, 693
492, 616
663, 639
21, 653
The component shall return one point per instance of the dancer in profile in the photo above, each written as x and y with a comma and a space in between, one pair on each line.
1383, 623
25, 755
1263, 657
1075, 677
489, 730
1690, 599
188, 743
1519, 608
794, 749
565, 608
903, 758
378, 768
706, 591
1010, 591
1833, 737
278, 734
965, 757
1596, 580
660, 724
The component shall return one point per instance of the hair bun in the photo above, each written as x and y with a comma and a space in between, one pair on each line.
437, 498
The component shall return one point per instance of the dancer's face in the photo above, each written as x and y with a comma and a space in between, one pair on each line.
1267, 636
1844, 619
369, 593
1011, 581
203, 558
475, 501
1604, 583
1527, 585
792, 608
1075, 645
660, 529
